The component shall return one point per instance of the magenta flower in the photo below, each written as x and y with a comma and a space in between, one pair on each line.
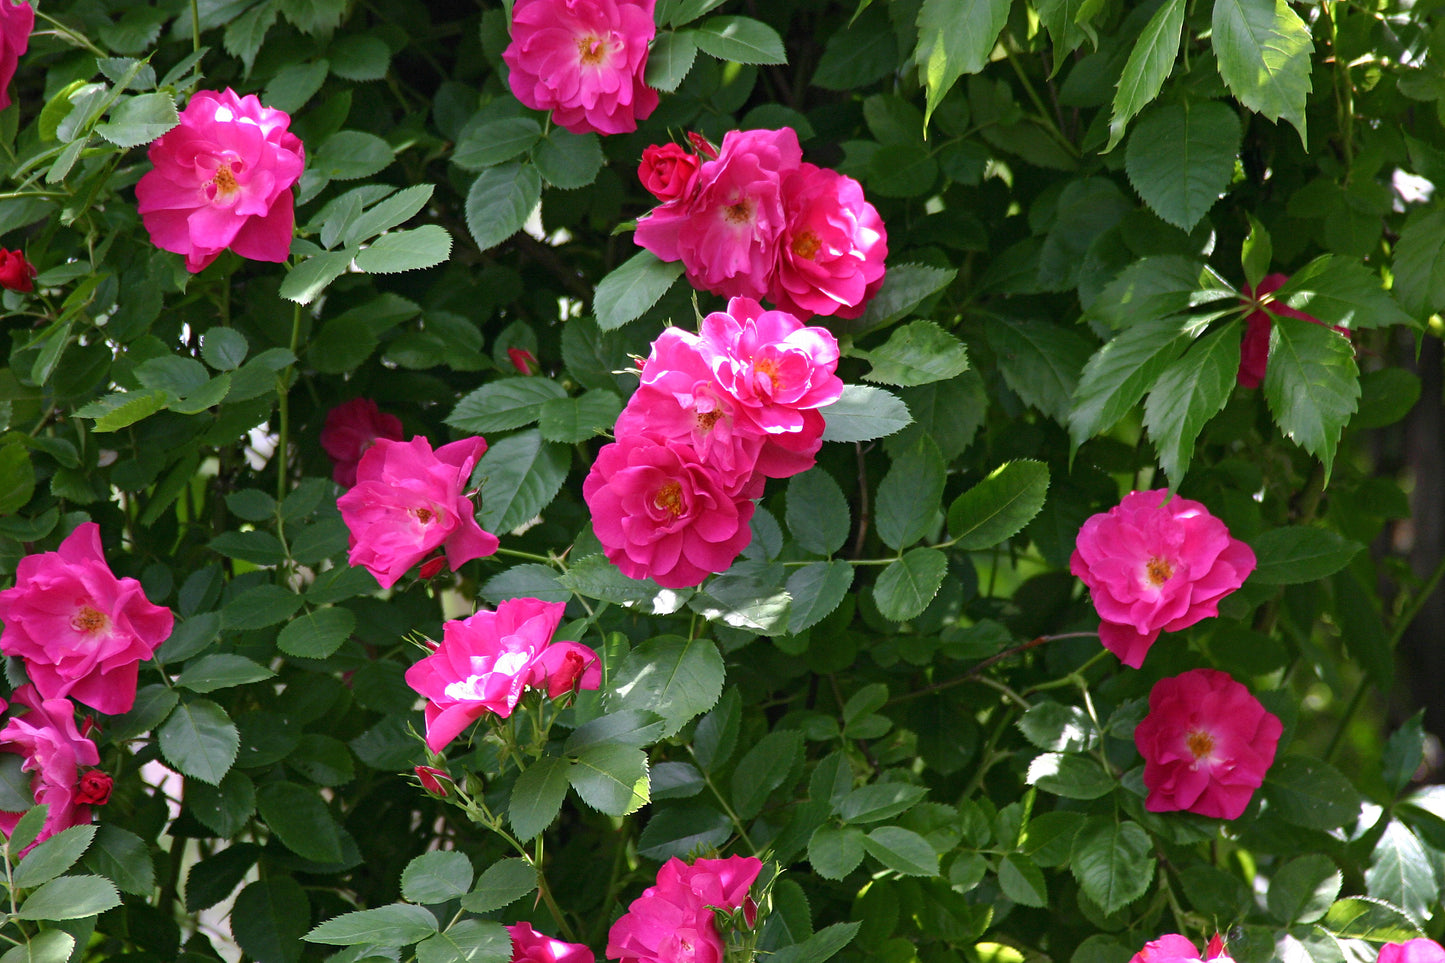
485, 661
1173, 948
80, 630
726, 229
16, 22
350, 429
668, 170
529, 946
830, 257
409, 501
1153, 564
583, 60
1412, 951
674, 922
662, 513
222, 179
54, 750
1206, 743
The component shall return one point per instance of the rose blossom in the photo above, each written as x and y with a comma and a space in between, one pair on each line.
1418, 950
54, 750
80, 629
350, 429
668, 170
529, 946
584, 61
222, 179
430, 778
16, 273
1173, 948
727, 229
16, 22
409, 501
94, 788
662, 513
1155, 563
830, 258
1206, 744
485, 661
673, 921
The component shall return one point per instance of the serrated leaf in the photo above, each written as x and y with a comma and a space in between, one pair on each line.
1419, 265
1341, 291
316, 634
817, 589
1149, 64
1263, 50
139, 120
1311, 793
629, 290
122, 409
909, 494
1401, 872
537, 796
1021, 881
420, 247
305, 282
1312, 386
70, 898
124, 858
611, 779
864, 413
763, 768
504, 404
817, 513
500, 201
436, 877
1113, 862
482, 145
46, 946
53, 856
902, 850
520, 474
1119, 373
955, 37
199, 739
398, 924
566, 160
1039, 361
1303, 889
998, 508
1070, 775
918, 353
1188, 393
221, 671
669, 60
301, 820
905, 286
1181, 158
505, 881
740, 40
572, 420
675, 678
907, 585
836, 851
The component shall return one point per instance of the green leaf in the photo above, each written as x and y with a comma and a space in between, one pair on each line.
1263, 49
918, 353
905, 287
258, 607
351, 154
818, 948
305, 282
864, 413
1296, 554
1021, 881
482, 145
675, 678
46, 946
681, 829
1303, 889
1404, 752
1119, 373
998, 508
1312, 386
301, 820
740, 40
955, 37
500, 201
270, 917
70, 898
836, 851
669, 60
908, 496
817, 513
397, 924
764, 768
629, 727
467, 941
869, 804
1341, 291
124, 858
436, 877
316, 634
507, 880
521, 474
1363, 918
817, 590
122, 409
1181, 158
504, 404
17, 477
1188, 393
139, 120
529, 579
1149, 64
611, 779
221, 671
52, 857
907, 585
359, 57
1039, 361
572, 420
1401, 872
28, 827
1113, 862
1311, 793
1256, 253
1059, 728
1419, 265
857, 56
420, 247
633, 287
567, 160
537, 796
902, 850
1071, 776
200, 740
225, 808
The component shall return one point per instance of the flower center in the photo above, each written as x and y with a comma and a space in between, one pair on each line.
591, 50
1200, 743
739, 213
669, 498
88, 621
768, 367
806, 245
1160, 571
224, 180
424, 515
706, 419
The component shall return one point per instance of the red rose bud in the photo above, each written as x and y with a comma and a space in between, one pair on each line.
524, 361
16, 273
667, 171
703, 145
94, 788
429, 781
432, 566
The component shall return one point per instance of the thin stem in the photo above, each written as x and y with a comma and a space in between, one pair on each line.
283, 377
531, 557
1008, 693
727, 808
195, 27
1045, 117
994, 660
61, 30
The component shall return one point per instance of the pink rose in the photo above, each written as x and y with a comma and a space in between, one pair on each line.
409, 501
662, 513
1206, 743
1174, 948
830, 258
16, 22
1254, 349
430, 778
1412, 951
583, 60
529, 946
350, 429
80, 629
485, 661
1153, 564
16, 273
668, 170
727, 229
672, 922
94, 788
222, 179
54, 750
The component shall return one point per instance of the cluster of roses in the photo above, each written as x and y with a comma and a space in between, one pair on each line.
716, 414
1174, 948
1158, 563
81, 633
753, 219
